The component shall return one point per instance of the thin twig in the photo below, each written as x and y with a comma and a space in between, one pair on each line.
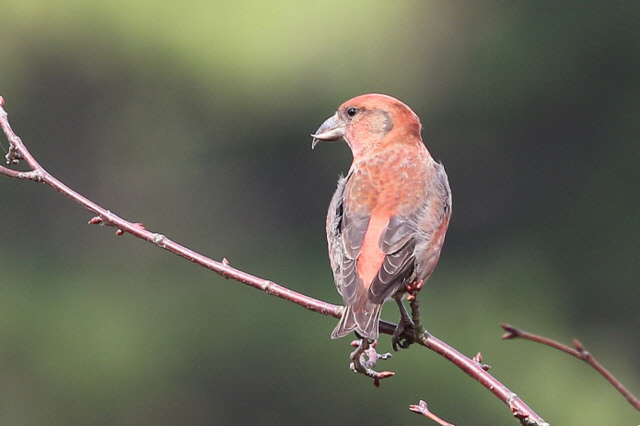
577, 351
422, 408
18, 151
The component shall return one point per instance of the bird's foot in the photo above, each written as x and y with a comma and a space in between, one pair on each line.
397, 340
365, 359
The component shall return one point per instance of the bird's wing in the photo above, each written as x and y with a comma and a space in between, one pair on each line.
334, 226
397, 243
345, 234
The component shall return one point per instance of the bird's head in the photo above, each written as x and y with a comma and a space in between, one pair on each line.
369, 122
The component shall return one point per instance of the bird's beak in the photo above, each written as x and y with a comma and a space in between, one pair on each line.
331, 130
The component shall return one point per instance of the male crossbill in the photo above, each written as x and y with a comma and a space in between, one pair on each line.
388, 218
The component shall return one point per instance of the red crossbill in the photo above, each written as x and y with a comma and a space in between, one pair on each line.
388, 218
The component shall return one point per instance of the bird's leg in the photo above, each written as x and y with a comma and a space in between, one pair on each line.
418, 330
405, 321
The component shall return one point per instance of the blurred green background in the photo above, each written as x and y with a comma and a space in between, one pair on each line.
194, 118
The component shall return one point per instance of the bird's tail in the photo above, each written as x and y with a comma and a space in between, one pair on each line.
363, 319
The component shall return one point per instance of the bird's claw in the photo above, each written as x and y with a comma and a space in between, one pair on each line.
397, 341
365, 359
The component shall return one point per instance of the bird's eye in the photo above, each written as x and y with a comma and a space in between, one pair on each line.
351, 111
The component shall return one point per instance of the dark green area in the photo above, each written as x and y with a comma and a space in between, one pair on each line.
194, 118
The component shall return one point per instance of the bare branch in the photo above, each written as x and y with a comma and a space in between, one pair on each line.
477, 371
471, 367
577, 351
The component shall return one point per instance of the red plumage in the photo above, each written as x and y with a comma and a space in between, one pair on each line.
388, 218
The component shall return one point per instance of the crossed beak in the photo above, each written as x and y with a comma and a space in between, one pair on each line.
331, 130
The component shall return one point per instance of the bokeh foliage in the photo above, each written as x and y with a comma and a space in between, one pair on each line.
193, 117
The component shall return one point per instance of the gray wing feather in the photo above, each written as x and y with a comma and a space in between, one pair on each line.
345, 235
396, 242
354, 227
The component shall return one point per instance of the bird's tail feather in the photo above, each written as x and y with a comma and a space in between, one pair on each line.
363, 319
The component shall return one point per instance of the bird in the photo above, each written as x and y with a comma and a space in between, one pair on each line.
388, 217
